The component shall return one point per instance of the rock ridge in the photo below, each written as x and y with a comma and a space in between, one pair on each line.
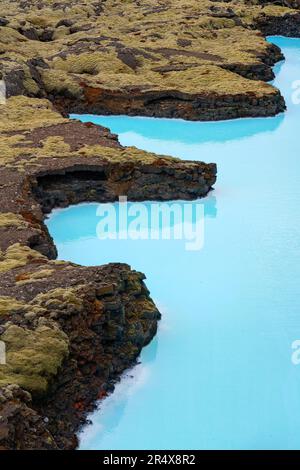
204, 60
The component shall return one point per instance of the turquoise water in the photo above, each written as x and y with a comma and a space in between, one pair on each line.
219, 373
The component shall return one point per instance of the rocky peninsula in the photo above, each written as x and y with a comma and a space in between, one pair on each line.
71, 331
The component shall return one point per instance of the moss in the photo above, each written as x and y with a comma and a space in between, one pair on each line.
277, 10
40, 20
9, 219
61, 32
146, 309
213, 79
91, 63
17, 151
10, 36
61, 83
61, 298
9, 149
130, 55
30, 85
17, 256
183, 47
10, 305
33, 356
36, 276
54, 147
22, 113
114, 55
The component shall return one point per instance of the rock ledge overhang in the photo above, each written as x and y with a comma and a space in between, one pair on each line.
69, 331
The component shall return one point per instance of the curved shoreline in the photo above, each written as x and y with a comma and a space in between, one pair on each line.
108, 307
85, 64
219, 305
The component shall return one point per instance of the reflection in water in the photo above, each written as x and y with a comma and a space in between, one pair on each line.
222, 376
145, 129
67, 228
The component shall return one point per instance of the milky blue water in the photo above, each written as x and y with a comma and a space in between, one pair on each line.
219, 373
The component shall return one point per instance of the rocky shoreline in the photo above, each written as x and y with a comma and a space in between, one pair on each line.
177, 105
87, 331
71, 331
170, 58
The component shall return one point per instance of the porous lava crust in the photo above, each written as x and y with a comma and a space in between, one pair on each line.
71, 331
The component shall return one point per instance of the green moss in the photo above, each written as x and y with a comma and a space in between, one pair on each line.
41, 20
10, 305
133, 52
10, 36
37, 276
33, 356
60, 298
17, 256
150, 37
186, 48
22, 113
213, 79
277, 10
91, 63
61, 82
30, 85
61, 32
17, 151
9, 219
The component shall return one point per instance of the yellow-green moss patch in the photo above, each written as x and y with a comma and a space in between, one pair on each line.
33, 357
10, 219
17, 256
36, 276
60, 298
22, 113
10, 305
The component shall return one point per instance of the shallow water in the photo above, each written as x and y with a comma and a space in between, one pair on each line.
219, 373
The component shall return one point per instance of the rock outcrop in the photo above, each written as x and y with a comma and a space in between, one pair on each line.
195, 60
69, 331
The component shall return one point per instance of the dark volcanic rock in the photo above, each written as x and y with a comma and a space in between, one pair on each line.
71, 331
75, 329
200, 61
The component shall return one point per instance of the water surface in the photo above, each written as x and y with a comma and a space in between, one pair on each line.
219, 374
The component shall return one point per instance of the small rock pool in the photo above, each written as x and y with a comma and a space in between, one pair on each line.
219, 374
